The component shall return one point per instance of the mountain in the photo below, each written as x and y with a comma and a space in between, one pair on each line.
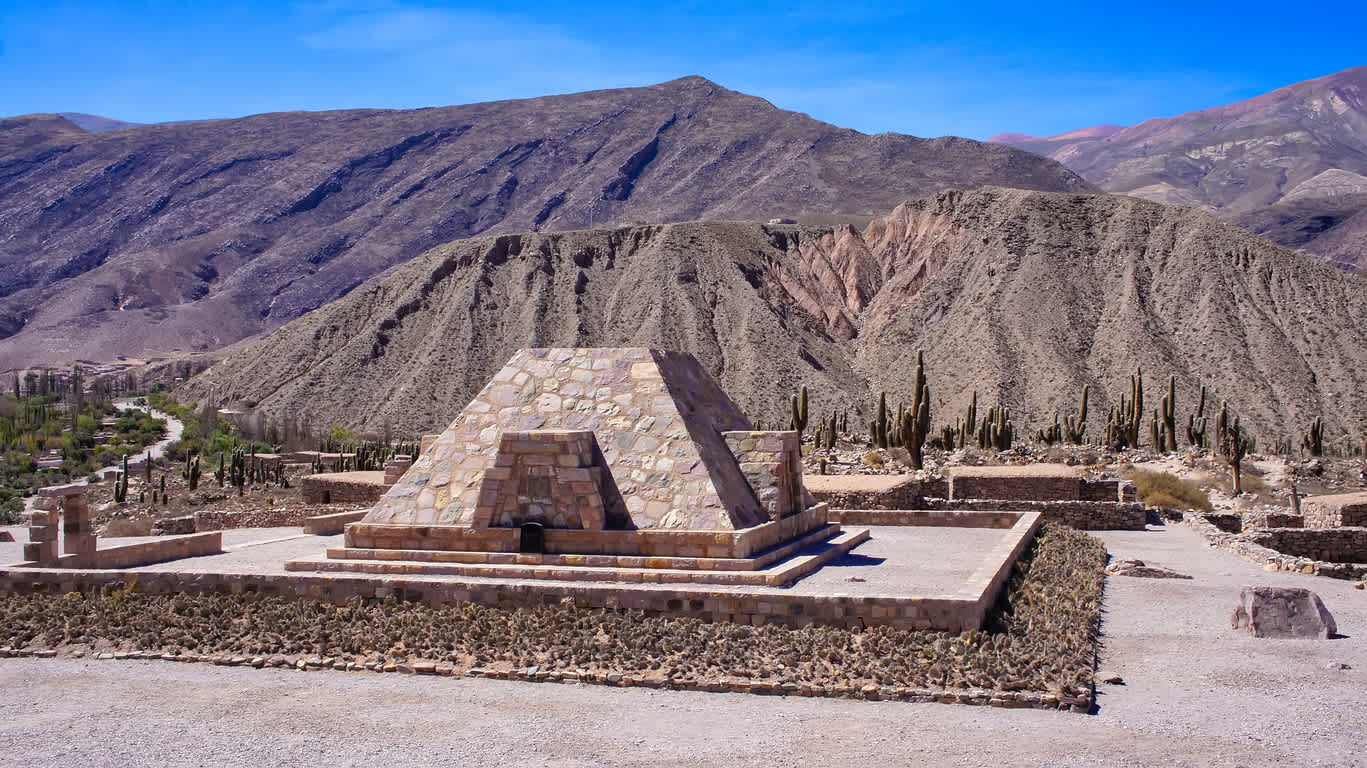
1023, 296
185, 237
95, 123
1291, 164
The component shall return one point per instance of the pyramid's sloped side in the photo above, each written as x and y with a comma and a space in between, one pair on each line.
661, 441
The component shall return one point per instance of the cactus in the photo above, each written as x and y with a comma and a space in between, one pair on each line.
1075, 429
1233, 445
1051, 434
193, 473
880, 431
147, 469
1196, 423
1167, 427
1124, 420
163, 482
121, 483
1313, 441
830, 433
995, 432
218, 473
821, 465
799, 404
237, 471
915, 421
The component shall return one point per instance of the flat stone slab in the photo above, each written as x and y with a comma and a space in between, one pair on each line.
73, 489
1023, 470
1282, 612
847, 483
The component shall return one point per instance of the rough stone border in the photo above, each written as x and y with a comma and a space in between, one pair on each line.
963, 610
870, 692
1270, 559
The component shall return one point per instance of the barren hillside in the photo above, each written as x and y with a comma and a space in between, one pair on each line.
1023, 296
159, 238
1290, 164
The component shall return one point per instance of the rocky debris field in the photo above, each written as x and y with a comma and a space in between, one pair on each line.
1038, 648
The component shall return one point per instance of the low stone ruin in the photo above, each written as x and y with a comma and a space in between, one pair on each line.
1282, 612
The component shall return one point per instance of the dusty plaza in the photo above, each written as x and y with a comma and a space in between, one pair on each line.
602, 531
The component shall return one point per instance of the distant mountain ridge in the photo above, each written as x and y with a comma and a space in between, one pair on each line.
153, 239
1025, 297
1288, 164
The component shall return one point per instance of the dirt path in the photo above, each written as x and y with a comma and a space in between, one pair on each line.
1196, 693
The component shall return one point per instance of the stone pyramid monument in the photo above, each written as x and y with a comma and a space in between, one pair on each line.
617, 441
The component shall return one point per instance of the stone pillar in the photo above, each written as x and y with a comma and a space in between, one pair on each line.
395, 467
78, 535
42, 538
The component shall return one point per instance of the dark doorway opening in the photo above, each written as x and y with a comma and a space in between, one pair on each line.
533, 539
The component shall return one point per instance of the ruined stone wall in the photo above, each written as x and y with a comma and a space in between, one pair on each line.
907, 495
1334, 545
1336, 511
343, 488
1268, 518
1023, 487
1243, 546
219, 520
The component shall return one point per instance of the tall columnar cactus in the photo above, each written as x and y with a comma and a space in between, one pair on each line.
219, 473
121, 483
915, 423
1196, 423
1075, 425
880, 431
996, 432
147, 469
193, 473
830, 433
1167, 427
1124, 421
799, 405
1313, 440
1233, 445
1050, 434
237, 472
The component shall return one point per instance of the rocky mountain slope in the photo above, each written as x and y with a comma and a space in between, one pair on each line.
190, 236
1290, 164
1023, 296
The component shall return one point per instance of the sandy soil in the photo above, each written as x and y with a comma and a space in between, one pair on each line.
1195, 693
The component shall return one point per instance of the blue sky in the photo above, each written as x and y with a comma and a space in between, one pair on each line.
928, 69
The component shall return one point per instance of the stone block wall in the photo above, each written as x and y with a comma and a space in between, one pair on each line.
1029, 483
343, 488
1267, 518
1334, 545
909, 494
772, 464
1335, 511
544, 476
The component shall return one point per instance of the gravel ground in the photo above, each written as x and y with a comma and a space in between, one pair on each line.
1196, 693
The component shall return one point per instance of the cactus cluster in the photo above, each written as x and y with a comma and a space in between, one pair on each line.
996, 433
1233, 445
1196, 423
1122, 423
1313, 440
121, 483
915, 421
1163, 428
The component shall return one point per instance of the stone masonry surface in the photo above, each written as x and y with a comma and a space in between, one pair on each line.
657, 417
1338, 510
343, 487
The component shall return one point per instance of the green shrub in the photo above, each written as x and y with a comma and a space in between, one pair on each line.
1161, 489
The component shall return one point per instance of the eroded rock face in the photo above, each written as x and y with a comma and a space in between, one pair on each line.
1283, 612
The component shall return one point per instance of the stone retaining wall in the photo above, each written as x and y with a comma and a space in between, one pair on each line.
1335, 511
1334, 545
963, 610
219, 520
650, 542
1082, 515
343, 488
1267, 518
1243, 546
925, 517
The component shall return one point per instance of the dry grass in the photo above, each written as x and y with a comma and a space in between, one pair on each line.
1168, 491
